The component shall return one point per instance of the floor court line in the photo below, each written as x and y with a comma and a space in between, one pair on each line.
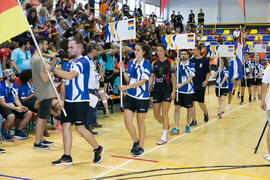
157, 147
111, 167
13, 177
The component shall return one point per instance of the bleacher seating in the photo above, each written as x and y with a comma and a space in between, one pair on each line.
219, 32
226, 32
254, 31
203, 38
266, 38
210, 38
229, 38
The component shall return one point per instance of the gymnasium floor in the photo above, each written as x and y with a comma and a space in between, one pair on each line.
221, 149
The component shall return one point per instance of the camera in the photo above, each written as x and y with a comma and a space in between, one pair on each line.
62, 54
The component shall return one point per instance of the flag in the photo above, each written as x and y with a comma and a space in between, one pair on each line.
242, 6
13, 19
239, 58
162, 5
230, 48
131, 25
190, 38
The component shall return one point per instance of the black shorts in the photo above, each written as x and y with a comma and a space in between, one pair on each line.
5, 112
101, 84
247, 83
199, 96
257, 82
30, 103
44, 108
136, 105
108, 76
223, 92
184, 100
76, 113
162, 95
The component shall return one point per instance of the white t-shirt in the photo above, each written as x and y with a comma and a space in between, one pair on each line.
236, 33
266, 79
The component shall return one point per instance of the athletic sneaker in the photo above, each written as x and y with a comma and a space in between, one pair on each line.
20, 135
7, 137
139, 152
233, 92
241, 103
206, 117
98, 155
41, 146
188, 129
238, 94
46, 143
267, 156
161, 142
2, 150
220, 114
193, 123
64, 160
228, 107
134, 148
174, 131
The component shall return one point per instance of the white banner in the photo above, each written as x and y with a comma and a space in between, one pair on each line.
121, 30
179, 41
260, 48
226, 50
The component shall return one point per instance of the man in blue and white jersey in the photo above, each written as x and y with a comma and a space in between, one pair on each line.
185, 90
75, 97
94, 79
233, 75
247, 78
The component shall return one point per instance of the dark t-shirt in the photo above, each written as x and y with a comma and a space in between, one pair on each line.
163, 71
201, 17
201, 69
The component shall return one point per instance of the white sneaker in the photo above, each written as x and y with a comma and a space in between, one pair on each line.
267, 156
228, 107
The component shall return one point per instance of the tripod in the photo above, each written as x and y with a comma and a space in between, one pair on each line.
256, 148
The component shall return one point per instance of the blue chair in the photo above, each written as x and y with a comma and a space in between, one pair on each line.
219, 32
213, 43
210, 38
266, 38
228, 43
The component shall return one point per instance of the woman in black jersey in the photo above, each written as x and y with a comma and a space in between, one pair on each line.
163, 76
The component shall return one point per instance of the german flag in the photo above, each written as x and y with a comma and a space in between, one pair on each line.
230, 48
131, 23
12, 19
190, 38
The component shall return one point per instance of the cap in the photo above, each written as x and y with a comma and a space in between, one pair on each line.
8, 72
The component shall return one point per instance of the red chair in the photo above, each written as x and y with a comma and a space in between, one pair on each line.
18, 82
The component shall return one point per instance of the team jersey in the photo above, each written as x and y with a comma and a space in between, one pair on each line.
258, 68
220, 76
94, 76
4, 53
136, 73
163, 71
25, 90
185, 71
232, 69
202, 69
77, 88
8, 92
248, 67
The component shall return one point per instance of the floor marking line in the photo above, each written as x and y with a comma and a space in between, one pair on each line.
125, 169
137, 159
218, 171
157, 147
13, 177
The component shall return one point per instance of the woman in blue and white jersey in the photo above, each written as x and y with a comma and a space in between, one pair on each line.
137, 99
257, 74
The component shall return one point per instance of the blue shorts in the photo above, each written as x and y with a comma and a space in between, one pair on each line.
268, 117
230, 87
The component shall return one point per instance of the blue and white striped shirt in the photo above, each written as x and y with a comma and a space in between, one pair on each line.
136, 73
219, 78
184, 72
77, 88
248, 66
8, 92
258, 68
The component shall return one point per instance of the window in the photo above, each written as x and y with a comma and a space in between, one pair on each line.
131, 5
153, 9
147, 9
96, 9
158, 11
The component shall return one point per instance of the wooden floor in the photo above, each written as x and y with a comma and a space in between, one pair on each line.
221, 149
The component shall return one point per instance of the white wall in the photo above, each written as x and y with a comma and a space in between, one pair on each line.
230, 10
209, 8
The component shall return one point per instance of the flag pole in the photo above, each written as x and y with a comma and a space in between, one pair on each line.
219, 72
121, 77
42, 58
177, 75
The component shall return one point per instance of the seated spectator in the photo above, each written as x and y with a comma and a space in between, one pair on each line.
85, 33
26, 91
11, 107
5, 55
51, 32
236, 34
42, 18
220, 40
153, 17
21, 57
27, 8
69, 20
61, 28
